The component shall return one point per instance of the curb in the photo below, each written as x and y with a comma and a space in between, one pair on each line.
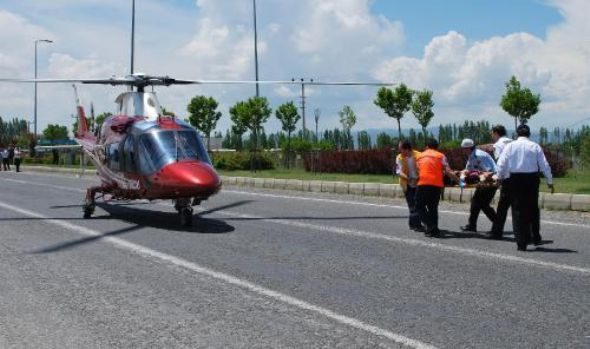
557, 201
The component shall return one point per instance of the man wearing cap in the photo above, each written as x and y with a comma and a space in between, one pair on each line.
480, 164
432, 165
522, 160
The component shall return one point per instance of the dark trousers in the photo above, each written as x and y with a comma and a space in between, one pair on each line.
502, 211
414, 220
525, 204
504, 204
481, 202
427, 198
17, 164
6, 164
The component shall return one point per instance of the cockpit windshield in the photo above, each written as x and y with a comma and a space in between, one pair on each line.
157, 149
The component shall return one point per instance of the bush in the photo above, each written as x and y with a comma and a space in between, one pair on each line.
558, 161
233, 161
375, 161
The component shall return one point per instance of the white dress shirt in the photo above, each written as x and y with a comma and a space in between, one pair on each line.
523, 156
499, 146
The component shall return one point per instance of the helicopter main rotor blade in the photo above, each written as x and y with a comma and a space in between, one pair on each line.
284, 82
143, 80
113, 81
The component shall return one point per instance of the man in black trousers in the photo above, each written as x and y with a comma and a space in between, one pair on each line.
500, 142
521, 161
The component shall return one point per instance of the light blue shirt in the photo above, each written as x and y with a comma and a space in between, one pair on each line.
479, 160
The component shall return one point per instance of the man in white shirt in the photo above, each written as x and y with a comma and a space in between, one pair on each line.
521, 161
5, 160
500, 142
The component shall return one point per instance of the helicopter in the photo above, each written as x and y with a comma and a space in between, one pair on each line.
140, 153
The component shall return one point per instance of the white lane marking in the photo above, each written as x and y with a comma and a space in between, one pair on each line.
281, 297
371, 235
413, 242
344, 202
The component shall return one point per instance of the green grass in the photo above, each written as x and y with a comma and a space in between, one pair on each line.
301, 174
576, 182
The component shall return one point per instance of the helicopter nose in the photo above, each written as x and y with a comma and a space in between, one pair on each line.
189, 175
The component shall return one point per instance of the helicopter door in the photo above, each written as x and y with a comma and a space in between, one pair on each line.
128, 158
113, 158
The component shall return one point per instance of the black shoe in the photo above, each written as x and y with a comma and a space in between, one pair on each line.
468, 228
521, 247
419, 229
434, 233
542, 242
492, 236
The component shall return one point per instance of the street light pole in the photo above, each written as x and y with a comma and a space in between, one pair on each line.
35, 107
255, 49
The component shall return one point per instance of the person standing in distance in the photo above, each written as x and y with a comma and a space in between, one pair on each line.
407, 170
521, 161
432, 166
482, 162
17, 158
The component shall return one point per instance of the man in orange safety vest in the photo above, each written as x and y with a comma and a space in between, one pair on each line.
432, 166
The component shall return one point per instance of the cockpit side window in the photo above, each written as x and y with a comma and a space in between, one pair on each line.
129, 154
113, 156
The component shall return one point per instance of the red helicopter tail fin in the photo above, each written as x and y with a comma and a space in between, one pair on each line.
82, 120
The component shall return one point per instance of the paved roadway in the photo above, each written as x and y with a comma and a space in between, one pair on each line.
276, 269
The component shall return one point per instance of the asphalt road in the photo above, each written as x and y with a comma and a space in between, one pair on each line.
277, 269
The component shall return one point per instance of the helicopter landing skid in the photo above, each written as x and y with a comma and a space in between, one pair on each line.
90, 200
185, 211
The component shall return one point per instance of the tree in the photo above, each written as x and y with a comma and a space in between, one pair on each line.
347, 119
55, 132
385, 141
585, 150
203, 115
395, 103
288, 116
363, 140
250, 115
422, 109
519, 102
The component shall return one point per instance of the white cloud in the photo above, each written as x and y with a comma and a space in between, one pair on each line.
470, 77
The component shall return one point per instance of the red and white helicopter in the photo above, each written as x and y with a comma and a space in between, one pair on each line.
139, 153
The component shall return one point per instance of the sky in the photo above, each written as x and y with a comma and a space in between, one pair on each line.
462, 50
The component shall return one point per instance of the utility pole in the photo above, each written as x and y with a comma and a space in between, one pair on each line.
303, 104
316, 113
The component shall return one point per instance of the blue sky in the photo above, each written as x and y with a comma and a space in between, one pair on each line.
462, 50
477, 19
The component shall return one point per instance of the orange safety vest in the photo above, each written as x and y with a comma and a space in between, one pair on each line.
430, 168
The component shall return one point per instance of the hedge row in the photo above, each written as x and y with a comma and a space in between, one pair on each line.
381, 161
233, 161
375, 161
